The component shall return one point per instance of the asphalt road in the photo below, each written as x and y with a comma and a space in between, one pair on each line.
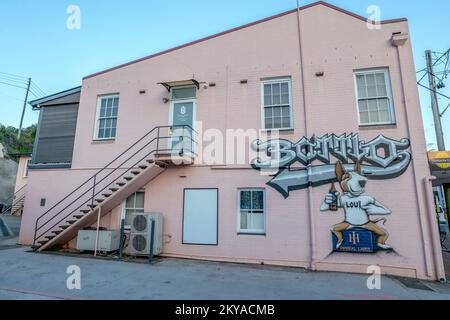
27, 275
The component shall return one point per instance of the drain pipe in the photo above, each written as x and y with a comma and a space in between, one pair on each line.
398, 40
435, 243
310, 196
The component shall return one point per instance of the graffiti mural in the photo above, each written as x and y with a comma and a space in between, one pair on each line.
385, 158
358, 208
357, 162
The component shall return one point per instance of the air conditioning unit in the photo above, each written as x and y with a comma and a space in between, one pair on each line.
140, 234
108, 240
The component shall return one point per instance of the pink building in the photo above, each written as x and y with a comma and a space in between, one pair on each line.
332, 99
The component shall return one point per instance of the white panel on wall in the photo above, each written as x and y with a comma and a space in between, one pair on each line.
200, 216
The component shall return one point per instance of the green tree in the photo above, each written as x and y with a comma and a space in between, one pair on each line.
8, 137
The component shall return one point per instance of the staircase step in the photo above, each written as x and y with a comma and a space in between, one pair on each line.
99, 200
42, 241
121, 184
50, 237
92, 206
106, 195
135, 172
113, 189
71, 221
151, 161
128, 178
57, 232
85, 211
78, 216
64, 227
143, 167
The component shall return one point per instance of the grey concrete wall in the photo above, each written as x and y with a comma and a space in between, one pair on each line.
8, 172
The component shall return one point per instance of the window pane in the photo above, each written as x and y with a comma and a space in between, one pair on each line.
184, 93
286, 111
276, 93
102, 124
116, 102
268, 123
277, 122
109, 112
244, 222
113, 132
258, 200
109, 103
103, 104
101, 133
363, 106
268, 112
373, 105
257, 221
364, 117
115, 111
285, 93
140, 200
267, 95
102, 111
361, 84
246, 199
286, 122
381, 84
371, 85
277, 111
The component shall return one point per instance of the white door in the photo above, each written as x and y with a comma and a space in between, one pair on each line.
200, 225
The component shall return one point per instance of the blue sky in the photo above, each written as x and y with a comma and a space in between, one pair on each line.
35, 42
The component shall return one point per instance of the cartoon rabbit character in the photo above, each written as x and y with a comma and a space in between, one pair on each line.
357, 207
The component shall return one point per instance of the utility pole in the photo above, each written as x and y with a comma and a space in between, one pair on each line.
434, 102
24, 108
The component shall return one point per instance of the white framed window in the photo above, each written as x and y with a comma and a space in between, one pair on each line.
25, 169
374, 95
133, 204
106, 119
251, 211
277, 104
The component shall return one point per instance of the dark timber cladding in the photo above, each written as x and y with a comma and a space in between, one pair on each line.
56, 129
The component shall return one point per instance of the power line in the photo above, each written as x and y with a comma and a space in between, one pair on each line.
12, 85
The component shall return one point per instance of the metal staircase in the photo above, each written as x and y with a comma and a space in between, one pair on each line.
139, 164
17, 202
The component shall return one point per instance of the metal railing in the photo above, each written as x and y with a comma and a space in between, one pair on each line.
18, 196
175, 140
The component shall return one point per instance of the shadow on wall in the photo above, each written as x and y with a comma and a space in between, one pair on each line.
8, 172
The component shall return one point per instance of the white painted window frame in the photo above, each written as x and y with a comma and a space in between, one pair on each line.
123, 208
97, 116
263, 106
251, 231
389, 96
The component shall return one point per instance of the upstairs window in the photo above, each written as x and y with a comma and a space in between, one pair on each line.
277, 104
133, 205
374, 95
106, 124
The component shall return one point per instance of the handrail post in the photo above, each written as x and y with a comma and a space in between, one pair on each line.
93, 192
35, 232
157, 142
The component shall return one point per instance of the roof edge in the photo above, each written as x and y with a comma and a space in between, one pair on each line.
37, 102
326, 4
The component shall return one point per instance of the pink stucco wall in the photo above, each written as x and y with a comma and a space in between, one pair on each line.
297, 233
21, 179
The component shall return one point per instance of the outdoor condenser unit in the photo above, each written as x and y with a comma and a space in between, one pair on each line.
107, 240
140, 236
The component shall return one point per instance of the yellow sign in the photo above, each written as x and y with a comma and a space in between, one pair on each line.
440, 159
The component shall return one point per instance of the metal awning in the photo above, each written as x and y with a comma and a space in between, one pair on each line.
172, 84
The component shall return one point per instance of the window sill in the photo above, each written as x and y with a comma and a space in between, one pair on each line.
280, 130
251, 234
378, 126
103, 141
